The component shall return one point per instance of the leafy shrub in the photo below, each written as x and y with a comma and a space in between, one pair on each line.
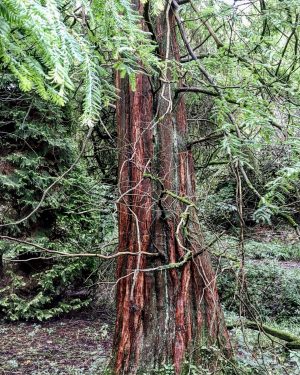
273, 250
272, 292
74, 217
220, 208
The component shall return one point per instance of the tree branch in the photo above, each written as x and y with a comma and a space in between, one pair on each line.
182, 2
293, 342
202, 90
71, 255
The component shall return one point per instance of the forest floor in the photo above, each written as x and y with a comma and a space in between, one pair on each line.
75, 345
81, 343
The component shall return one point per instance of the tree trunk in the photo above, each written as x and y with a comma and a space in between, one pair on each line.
164, 315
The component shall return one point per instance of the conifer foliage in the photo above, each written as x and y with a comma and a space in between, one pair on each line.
200, 101
56, 47
37, 144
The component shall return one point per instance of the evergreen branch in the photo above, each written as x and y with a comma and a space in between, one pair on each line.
57, 180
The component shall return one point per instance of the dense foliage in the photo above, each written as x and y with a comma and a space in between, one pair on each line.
60, 47
38, 144
239, 73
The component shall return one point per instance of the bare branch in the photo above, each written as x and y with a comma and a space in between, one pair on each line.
202, 90
71, 255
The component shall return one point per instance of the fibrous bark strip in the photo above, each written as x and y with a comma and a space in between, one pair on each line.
163, 316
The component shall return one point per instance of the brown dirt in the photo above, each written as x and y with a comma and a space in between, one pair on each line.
6, 168
66, 346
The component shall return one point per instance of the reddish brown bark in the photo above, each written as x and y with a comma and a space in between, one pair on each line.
163, 316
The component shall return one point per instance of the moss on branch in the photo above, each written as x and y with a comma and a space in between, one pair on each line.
180, 198
292, 341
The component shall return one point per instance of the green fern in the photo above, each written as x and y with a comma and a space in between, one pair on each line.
52, 51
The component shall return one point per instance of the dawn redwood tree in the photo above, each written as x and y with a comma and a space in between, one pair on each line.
167, 301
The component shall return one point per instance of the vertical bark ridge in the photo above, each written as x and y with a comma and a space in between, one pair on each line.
162, 316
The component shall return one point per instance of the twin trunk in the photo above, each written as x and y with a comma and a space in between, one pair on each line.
165, 315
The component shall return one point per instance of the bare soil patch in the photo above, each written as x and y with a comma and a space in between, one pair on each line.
77, 345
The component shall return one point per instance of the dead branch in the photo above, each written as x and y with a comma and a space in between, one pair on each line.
71, 255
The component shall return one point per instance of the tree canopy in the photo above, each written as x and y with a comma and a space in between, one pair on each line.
59, 47
242, 54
